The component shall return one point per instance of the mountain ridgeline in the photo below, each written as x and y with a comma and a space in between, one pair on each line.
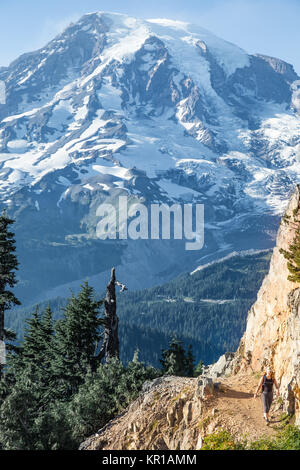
160, 111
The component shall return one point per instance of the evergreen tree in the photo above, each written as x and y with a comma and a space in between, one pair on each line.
46, 339
190, 362
30, 421
105, 393
30, 352
8, 266
36, 352
173, 359
77, 338
293, 253
29, 413
198, 369
26, 385
8, 380
17, 414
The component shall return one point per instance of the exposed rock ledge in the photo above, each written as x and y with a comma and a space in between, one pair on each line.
177, 413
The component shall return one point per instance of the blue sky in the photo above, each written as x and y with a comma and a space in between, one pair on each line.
265, 26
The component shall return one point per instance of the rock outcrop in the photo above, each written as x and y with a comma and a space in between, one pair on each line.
272, 335
223, 367
159, 419
177, 413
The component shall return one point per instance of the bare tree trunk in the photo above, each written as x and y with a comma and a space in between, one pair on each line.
110, 346
2, 344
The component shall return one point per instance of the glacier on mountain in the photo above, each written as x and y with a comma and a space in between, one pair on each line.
160, 110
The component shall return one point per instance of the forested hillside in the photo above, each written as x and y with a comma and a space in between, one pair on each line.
207, 309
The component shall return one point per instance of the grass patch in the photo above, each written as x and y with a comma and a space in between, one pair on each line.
154, 425
204, 422
286, 439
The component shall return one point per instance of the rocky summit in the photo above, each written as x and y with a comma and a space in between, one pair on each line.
159, 110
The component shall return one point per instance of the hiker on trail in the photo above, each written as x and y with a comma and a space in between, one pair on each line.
266, 387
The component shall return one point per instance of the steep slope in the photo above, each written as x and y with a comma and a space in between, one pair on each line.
176, 413
272, 335
160, 111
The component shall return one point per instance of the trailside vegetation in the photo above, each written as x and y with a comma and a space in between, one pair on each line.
292, 254
64, 380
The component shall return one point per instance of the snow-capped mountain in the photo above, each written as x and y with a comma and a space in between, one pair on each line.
158, 110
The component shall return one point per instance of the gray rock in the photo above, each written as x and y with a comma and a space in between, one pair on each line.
222, 367
205, 386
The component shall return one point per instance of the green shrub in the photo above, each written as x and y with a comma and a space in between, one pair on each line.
221, 440
287, 439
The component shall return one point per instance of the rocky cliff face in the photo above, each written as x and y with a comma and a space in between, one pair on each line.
273, 327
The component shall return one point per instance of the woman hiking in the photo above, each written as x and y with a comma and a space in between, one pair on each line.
266, 387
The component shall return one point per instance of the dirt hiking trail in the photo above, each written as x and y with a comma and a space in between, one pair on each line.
173, 413
242, 414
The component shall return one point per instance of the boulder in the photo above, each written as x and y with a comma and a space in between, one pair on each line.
205, 386
222, 367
